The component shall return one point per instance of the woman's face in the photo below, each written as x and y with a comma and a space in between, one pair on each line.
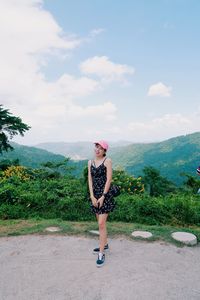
99, 151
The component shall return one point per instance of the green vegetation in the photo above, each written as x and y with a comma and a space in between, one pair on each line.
156, 184
35, 158
53, 192
172, 157
36, 184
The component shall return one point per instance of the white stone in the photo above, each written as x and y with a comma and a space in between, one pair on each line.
185, 237
53, 229
143, 234
96, 232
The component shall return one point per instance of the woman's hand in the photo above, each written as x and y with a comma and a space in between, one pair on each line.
94, 201
100, 201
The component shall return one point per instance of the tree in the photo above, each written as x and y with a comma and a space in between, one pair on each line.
9, 127
192, 183
155, 183
56, 169
5, 163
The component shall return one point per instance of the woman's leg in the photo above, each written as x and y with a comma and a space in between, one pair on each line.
102, 231
106, 241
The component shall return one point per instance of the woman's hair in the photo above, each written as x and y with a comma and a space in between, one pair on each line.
104, 153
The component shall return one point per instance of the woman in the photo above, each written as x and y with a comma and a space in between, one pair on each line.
198, 170
101, 200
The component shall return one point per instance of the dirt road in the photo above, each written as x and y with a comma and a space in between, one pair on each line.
55, 267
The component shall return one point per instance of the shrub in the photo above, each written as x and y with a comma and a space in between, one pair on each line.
8, 211
128, 183
67, 197
19, 172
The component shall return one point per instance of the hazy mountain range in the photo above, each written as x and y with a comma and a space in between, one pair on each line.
76, 150
171, 157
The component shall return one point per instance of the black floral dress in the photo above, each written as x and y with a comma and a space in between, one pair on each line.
99, 177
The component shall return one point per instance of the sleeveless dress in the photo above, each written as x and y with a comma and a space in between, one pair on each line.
99, 177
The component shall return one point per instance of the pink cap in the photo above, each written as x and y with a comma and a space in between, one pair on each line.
103, 144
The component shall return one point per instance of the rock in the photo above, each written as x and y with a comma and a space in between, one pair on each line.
96, 232
143, 234
53, 229
185, 237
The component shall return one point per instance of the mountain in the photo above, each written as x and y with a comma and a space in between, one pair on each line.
171, 157
34, 157
76, 150
30, 156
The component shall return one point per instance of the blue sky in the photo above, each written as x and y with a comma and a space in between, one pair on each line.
84, 70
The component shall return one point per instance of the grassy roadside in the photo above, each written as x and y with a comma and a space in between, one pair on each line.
115, 229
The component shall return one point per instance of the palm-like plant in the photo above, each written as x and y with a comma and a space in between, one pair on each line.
9, 127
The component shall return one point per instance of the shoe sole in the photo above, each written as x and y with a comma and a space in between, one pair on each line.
105, 250
99, 266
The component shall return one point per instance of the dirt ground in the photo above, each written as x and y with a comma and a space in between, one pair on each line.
55, 267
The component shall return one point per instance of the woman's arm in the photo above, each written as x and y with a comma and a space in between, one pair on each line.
108, 164
94, 200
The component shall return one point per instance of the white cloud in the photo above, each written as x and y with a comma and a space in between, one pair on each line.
27, 32
159, 89
68, 86
167, 121
32, 29
161, 128
138, 126
29, 35
96, 32
107, 133
108, 71
106, 111
171, 120
157, 129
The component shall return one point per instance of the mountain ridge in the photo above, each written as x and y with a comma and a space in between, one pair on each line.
171, 157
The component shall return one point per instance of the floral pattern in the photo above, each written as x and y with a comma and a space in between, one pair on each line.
99, 177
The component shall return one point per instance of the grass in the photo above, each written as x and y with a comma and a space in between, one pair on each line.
115, 229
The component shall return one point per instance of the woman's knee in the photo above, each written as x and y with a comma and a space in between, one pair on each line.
102, 223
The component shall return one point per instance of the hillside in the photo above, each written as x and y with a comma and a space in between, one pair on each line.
34, 157
171, 157
30, 156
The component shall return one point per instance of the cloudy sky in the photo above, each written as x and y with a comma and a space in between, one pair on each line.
96, 69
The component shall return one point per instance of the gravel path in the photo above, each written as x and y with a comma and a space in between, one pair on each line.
53, 267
